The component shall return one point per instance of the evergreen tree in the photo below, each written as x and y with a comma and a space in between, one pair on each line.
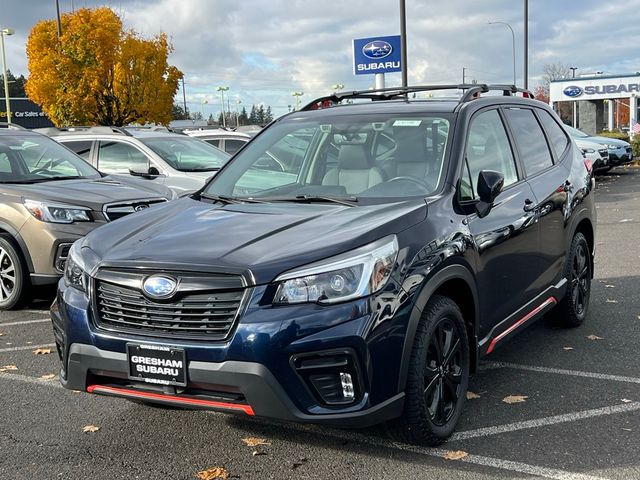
243, 118
177, 112
268, 116
16, 85
253, 117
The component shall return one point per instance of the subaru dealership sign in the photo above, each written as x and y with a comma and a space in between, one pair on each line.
376, 55
594, 88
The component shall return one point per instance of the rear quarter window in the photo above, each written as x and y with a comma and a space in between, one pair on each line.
530, 140
557, 136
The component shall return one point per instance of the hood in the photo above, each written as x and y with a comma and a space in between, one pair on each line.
93, 193
589, 143
259, 241
610, 141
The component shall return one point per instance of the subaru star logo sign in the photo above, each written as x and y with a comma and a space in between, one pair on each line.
572, 91
159, 286
377, 49
376, 55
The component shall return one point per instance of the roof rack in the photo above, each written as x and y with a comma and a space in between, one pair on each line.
472, 90
52, 131
11, 126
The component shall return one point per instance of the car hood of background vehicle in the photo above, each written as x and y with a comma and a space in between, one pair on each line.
259, 240
93, 193
610, 141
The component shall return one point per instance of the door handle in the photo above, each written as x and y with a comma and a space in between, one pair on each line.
529, 205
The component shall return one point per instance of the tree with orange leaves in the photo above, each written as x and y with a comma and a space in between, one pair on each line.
97, 73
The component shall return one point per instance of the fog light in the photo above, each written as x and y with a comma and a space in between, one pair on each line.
348, 391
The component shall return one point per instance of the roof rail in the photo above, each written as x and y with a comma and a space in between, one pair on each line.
11, 126
101, 129
472, 90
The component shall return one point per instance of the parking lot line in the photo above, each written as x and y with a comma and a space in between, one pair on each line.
26, 322
27, 347
560, 371
27, 379
542, 422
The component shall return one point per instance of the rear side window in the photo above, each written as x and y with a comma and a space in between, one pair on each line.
118, 158
530, 140
81, 147
557, 137
231, 146
214, 142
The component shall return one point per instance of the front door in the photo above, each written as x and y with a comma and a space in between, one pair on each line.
505, 240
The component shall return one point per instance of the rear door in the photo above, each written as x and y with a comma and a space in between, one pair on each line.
82, 148
542, 146
506, 240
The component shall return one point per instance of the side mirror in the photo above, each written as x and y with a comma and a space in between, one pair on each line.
490, 185
150, 172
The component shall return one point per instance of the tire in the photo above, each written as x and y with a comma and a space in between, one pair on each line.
574, 306
14, 278
426, 420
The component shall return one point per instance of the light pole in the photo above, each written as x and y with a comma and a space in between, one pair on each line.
513, 45
238, 102
403, 43
575, 111
526, 44
297, 95
203, 102
222, 90
3, 32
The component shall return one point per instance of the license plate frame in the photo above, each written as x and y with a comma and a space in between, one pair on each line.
145, 361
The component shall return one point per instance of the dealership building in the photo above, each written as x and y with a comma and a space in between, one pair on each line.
598, 100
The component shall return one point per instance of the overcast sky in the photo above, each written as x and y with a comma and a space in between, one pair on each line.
265, 49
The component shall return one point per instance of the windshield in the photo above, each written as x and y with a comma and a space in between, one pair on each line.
374, 156
36, 158
574, 132
187, 154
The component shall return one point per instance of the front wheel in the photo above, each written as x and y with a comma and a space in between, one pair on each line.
438, 376
572, 309
13, 276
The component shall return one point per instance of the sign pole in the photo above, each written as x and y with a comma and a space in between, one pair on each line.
6, 80
403, 39
379, 81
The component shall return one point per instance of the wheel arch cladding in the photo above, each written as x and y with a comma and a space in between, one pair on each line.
12, 236
457, 283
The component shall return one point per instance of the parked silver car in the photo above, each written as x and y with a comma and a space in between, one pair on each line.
620, 152
227, 140
177, 161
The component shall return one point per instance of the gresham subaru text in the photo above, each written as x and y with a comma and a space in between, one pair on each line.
356, 280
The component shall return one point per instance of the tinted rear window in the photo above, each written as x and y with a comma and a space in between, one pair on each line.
532, 144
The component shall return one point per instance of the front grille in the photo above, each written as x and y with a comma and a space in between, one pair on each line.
114, 211
210, 314
604, 153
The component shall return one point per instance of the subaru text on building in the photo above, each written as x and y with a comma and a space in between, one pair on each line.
49, 198
361, 285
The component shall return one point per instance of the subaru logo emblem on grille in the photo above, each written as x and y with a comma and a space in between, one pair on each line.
139, 208
377, 49
159, 286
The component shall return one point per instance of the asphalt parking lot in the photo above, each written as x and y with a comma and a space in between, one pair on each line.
580, 418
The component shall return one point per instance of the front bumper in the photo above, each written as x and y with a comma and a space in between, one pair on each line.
252, 373
620, 156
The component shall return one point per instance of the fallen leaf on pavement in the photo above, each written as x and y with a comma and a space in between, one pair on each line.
626, 400
609, 286
7, 368
1, 334
455, 455
254, 441
627, 429
472, 395
611, 301
213, 473
567, 348
515, 399
48, 376
42, 351
90, 429
258, 452
594, 337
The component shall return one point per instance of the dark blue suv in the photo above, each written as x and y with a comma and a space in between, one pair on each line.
349, 266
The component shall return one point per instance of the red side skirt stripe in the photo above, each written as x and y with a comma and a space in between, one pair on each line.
526, 318
104, 389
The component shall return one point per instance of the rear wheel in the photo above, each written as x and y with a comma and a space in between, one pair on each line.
573, 308
13, 276
438, 376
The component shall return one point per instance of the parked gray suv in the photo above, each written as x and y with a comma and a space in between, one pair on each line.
49, 198
177, 161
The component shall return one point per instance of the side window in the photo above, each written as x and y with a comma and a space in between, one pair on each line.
488, 148
532, 145
5, 165
81, 147
118, 158
557, 136
215, 142
231, 145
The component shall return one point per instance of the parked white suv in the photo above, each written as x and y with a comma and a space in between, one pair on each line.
227, 140
177, 161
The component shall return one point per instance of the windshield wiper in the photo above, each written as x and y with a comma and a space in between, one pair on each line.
348, 201
208, 169
229, 199
40, 180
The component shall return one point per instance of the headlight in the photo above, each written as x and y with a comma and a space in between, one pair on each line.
612, 147
57, 213
74, 271
347, 276
588, 150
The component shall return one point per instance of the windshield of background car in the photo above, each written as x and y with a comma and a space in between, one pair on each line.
574, 132
187, 154
375, 156
35, 158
